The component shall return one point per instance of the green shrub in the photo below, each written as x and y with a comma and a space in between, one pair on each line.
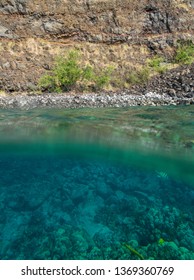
67, 73
184, 53
47, 82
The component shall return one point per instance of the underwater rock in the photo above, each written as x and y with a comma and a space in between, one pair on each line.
102, 189
79, 194
104, 237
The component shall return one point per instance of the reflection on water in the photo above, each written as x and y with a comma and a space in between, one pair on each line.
79, 184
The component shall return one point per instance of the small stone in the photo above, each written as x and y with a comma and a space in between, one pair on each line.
6, 65
186, 88
172, 92
53, 26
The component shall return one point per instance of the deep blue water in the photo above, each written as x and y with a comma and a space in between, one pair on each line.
84, 183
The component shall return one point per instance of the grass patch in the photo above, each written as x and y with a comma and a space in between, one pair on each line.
102, 78
157, 64
184, 53
152, 67
139, 76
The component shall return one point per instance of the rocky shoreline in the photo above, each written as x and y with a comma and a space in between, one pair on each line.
92, 100
175, 87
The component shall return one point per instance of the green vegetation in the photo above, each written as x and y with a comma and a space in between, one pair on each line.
184, 53
139, 76
103, 78
157, 64
65, 74
68, 73
153, 66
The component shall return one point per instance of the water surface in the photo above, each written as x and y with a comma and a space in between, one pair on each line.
84, 183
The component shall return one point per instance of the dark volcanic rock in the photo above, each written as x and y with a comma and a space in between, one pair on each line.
177, 82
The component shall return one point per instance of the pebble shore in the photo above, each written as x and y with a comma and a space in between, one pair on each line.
91, 100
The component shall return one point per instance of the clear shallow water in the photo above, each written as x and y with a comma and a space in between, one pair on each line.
81, 184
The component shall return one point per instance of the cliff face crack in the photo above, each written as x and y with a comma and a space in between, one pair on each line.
88, 5
114, 17
160, 22
168, 25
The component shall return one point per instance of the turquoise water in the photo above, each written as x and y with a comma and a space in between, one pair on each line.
109, 183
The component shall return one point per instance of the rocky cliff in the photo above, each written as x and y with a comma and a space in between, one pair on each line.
121, 32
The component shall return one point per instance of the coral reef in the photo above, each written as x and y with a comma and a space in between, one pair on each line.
88, 209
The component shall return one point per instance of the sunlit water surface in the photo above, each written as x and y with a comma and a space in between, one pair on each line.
97, 183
